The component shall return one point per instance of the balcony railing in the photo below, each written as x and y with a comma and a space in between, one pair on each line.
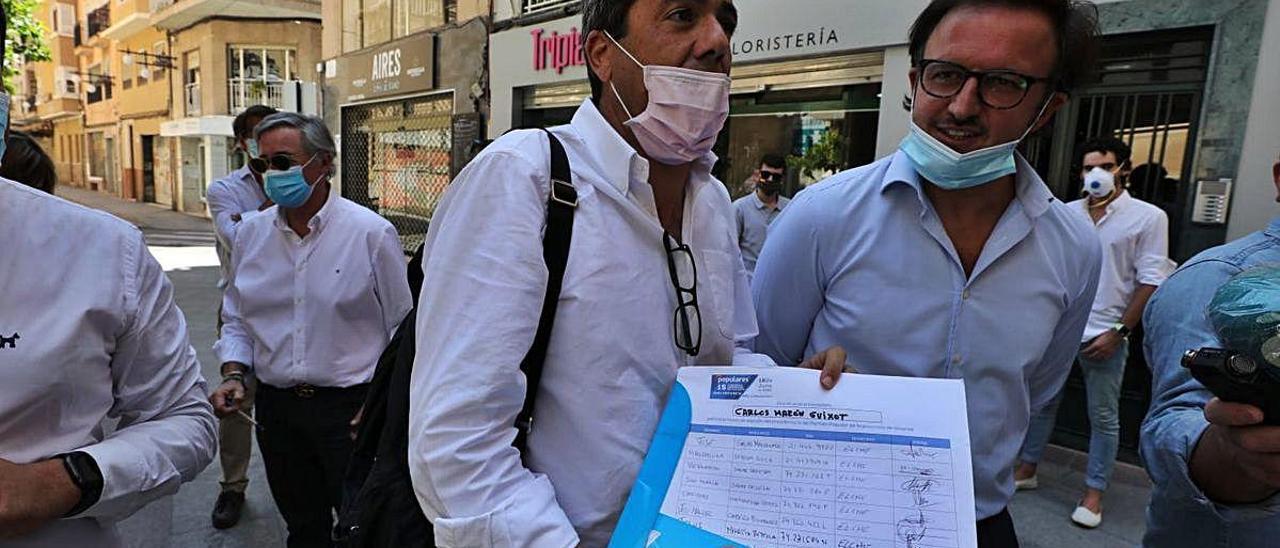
192, 99
98, 21
245, 93
535, 6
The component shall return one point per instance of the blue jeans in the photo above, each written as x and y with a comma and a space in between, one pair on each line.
1102, 388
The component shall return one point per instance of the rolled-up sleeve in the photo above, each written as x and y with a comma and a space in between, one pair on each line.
482, 295
234, 343
1046, 380
1175, 321
166, 427
1154, 265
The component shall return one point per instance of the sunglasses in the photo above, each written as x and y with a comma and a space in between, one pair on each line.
278, 162
770, 177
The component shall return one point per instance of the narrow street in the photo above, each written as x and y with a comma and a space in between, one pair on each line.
184, 245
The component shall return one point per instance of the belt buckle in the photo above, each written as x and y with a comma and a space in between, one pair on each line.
304, 391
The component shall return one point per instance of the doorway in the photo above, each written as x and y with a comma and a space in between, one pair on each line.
148, 169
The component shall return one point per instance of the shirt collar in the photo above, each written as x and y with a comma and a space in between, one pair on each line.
318, 220
1031, 190
614, 156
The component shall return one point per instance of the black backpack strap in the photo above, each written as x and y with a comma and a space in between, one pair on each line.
561, 203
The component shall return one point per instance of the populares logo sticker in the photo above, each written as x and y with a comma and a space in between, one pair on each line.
730, 387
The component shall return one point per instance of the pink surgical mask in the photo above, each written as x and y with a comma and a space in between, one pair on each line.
687, 108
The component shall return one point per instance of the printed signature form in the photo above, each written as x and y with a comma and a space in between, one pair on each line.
764, 457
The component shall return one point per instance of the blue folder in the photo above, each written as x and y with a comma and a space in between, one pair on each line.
643, 525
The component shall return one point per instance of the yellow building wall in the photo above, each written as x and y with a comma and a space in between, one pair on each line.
144, 97
68, 151
213, 39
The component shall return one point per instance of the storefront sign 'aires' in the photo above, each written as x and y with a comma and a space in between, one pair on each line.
557, 51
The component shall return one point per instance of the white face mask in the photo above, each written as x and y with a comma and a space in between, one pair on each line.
687, 108
1099, 182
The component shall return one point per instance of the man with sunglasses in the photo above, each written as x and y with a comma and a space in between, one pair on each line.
318, 287
754, 212
232, 199
951, 258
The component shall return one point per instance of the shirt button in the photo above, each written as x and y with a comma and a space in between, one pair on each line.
955, 359
965, 295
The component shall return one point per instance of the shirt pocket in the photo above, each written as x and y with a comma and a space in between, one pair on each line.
716, 296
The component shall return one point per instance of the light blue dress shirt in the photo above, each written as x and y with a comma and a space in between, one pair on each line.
1180, 515
862, 260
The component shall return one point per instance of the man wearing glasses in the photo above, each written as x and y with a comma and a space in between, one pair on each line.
754, 212
951, 258
654, 282
318, 287
233, 198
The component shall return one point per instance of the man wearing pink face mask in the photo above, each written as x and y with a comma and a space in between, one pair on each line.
654, 281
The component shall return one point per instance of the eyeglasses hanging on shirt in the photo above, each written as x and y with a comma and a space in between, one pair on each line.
684, 276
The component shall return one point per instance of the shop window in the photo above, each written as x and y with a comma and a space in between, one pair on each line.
821, 131
397, 160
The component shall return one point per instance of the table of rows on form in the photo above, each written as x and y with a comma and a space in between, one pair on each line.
767, 488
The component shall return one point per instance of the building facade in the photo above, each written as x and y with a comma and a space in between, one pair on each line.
1191, 85
225, 57
405, 87
138, 99
47, 103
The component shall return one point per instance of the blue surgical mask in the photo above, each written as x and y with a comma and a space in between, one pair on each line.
288, 189
951, 170
4, 123
251, 146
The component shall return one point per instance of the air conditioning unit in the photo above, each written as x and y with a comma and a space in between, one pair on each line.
302, 97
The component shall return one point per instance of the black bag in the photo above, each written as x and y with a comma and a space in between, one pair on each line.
380, 509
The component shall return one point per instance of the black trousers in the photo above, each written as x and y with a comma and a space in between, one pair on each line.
306, 445
997, 531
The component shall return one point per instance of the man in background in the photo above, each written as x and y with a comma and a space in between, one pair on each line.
232, 199
754, 212
1135, 261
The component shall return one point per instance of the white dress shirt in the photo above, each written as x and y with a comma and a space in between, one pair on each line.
238, 193
612, 357
862, 260
316, 310
99, 337
1135, 251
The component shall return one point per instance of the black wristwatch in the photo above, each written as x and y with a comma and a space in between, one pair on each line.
1121, 328
86, 475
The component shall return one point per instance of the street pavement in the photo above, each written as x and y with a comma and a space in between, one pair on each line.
184, 246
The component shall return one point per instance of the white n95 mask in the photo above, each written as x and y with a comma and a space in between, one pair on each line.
1099, 182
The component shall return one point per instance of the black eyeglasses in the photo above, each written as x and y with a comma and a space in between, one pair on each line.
998, 89
684, 276
278, 162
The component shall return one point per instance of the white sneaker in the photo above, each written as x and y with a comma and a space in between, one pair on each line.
1085, 517
1026, 484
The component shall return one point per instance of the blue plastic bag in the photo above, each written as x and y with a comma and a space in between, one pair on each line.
1245, 312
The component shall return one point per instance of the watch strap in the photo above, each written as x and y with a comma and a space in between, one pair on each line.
86, 475
1121, 328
